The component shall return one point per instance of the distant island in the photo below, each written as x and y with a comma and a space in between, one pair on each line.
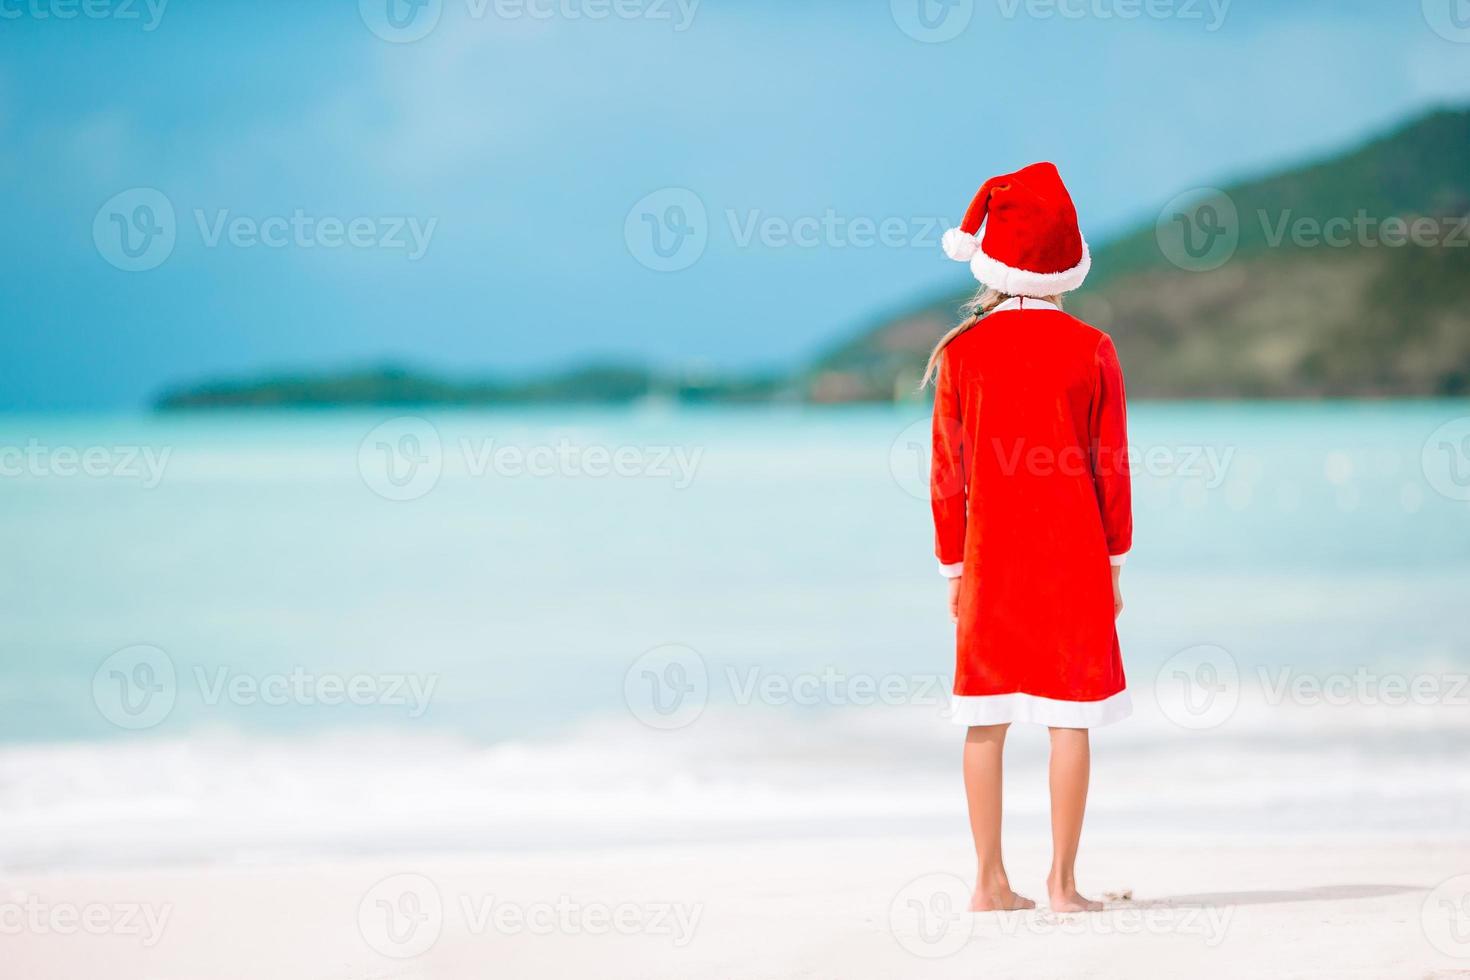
401, 386
1348, 277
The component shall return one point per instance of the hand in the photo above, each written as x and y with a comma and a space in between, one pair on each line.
1117, 591
954, 599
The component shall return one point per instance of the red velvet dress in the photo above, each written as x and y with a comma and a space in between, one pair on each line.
1032, 502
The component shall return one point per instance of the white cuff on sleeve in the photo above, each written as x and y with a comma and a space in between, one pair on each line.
952, 571
1118, 559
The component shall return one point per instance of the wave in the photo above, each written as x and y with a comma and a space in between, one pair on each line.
230, 796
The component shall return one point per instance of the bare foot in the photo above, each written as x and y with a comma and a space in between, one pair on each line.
998, 897
1066, 899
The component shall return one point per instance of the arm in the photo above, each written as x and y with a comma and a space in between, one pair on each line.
1109, 425
948, 475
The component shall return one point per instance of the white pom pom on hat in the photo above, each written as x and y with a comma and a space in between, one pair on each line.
960, 245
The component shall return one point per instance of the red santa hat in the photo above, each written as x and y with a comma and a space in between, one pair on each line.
1032, 245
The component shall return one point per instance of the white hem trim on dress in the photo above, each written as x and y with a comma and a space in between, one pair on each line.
1023, 282
997, 709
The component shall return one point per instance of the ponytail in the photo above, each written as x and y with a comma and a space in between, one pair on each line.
975, 309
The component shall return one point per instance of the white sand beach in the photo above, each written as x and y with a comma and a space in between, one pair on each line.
852, 908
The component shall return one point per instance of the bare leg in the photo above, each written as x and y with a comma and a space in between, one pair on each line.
984, 745
1071, 763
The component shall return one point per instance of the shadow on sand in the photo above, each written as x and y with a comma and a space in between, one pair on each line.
1320, 893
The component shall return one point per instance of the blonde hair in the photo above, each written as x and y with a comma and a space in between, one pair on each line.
975, 308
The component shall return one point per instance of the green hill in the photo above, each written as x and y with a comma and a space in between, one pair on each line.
1349, 276
1321, 283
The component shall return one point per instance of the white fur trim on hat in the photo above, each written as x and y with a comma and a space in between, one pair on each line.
1021, 282
959, 245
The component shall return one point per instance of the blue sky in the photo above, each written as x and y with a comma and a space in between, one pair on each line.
519, 136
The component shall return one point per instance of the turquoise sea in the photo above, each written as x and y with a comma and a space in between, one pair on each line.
229, 637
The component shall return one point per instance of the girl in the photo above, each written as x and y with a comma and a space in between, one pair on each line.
1032, 513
